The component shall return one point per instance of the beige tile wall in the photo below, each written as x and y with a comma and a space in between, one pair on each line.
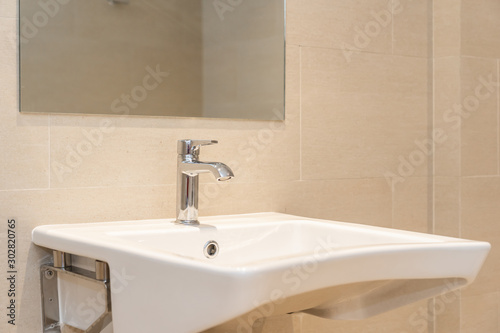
355, 147
364, 103
446, 162
467, 177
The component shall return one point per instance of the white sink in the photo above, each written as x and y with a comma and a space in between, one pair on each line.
267, 264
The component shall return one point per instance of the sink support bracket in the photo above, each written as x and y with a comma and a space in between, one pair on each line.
50, 293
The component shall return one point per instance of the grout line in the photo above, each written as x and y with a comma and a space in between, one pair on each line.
480, 176
322, 180
431, 306
284, 181
460, 122
498, 313
364, 51
392, 27
29, 189
393, 199
459, 207
431, 168
300, 112
431, 104
94, 187
498, 117
460, 177
460, 317
49, 170
465, 56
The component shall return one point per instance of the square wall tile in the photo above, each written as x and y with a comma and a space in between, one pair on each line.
480, 313
8, 8
363, 119
88, 151
25, 151
480, 28
447, 314
412, 22
344, 25
447, 206
479, 117
8, 63
365, 201
447, 123
447, 27
480, 212
411, 202
224, 198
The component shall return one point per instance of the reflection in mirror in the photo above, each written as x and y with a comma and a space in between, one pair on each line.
187, 58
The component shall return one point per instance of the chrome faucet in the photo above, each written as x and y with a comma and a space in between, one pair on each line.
188, 169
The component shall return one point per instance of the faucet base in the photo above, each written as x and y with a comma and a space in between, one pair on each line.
187, 222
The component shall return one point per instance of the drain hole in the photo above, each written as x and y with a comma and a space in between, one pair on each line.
211, 249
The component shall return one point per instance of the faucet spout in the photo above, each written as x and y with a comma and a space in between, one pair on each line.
220, 171
188, 170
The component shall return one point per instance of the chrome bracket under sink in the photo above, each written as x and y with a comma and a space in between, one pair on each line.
49, 274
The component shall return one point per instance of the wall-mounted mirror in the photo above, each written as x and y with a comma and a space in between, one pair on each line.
187, 58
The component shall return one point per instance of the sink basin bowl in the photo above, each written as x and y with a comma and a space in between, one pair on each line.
172, 279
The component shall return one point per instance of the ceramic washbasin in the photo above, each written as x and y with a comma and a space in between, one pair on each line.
265, 264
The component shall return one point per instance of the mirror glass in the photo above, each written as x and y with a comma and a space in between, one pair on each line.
184, 58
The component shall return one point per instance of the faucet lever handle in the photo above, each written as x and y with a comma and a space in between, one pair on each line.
204, 142
192, 147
